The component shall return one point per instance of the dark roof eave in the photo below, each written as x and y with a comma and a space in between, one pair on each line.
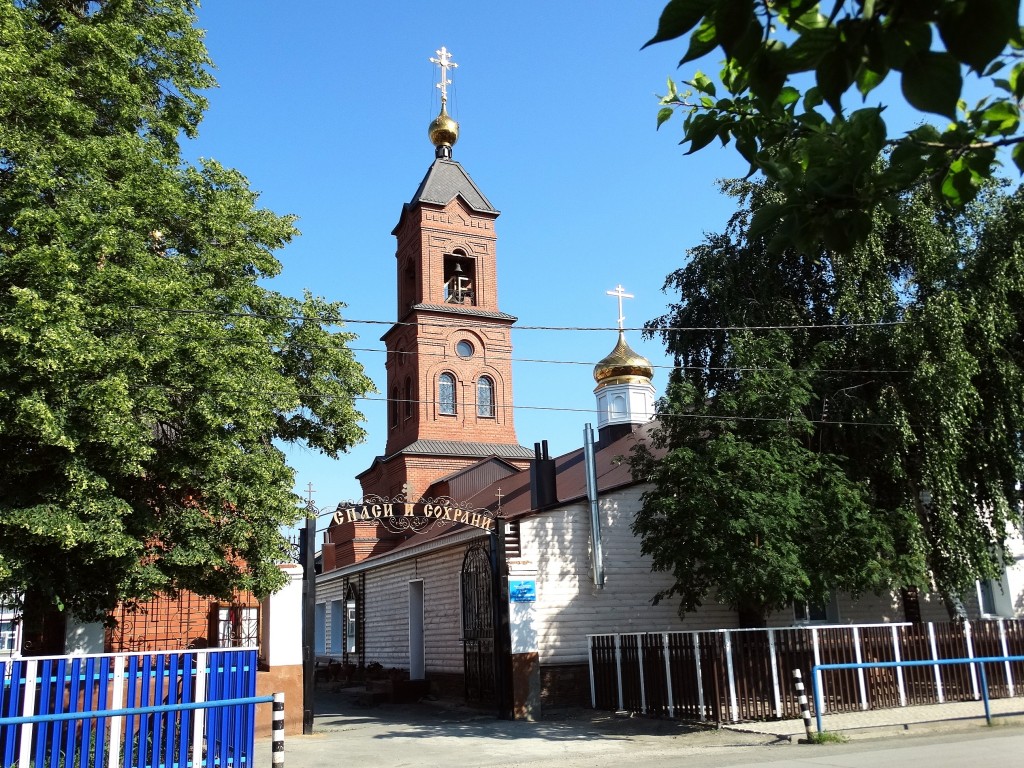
451, 310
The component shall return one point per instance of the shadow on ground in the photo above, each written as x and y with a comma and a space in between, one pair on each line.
350, 708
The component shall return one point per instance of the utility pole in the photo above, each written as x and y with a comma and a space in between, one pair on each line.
308, 551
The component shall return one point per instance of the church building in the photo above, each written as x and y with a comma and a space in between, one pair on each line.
473, 562
401, 595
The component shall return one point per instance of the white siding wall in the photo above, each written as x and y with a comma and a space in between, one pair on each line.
1015, 578
569, 606
386, 610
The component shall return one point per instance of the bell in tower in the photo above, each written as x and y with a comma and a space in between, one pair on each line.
458, 285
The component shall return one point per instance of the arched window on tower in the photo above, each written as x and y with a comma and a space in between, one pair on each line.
446, 394
485, 397
408, 397
408, 288
393, 408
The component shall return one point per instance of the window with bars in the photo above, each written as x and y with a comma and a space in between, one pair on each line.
237, 626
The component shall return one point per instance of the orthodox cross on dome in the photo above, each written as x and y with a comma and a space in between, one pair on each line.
621, 294
444, 61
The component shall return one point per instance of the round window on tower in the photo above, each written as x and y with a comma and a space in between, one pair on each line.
464, 349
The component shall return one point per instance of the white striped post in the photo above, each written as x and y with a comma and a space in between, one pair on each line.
734, 705
199, 695
28, 707
593, 684
277, 730
618, 668
640, 663
117, 701
668, 675
700, 676
801, 697
859, 656
776, 693
1006, 652
935, 655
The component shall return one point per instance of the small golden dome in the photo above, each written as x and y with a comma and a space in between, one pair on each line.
623, 361
443, 130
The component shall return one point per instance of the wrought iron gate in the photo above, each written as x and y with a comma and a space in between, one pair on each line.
478, 625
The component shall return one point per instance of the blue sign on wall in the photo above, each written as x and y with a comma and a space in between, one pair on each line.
522, 590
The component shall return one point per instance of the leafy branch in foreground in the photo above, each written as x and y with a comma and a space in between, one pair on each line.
779, 100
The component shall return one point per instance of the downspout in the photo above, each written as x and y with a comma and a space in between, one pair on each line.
590, 463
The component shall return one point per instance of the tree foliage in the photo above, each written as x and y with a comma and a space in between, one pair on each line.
818, 394
146, 373
791, 64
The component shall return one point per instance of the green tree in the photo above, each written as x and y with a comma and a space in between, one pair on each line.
146, 372
790, 64
819, 394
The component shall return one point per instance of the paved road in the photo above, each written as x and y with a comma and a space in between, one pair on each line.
425, 736
928, 750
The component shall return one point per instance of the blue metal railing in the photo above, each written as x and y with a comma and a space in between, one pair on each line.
64, 716
817, 669
175, 709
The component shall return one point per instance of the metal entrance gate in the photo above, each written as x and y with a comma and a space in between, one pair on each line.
478, 625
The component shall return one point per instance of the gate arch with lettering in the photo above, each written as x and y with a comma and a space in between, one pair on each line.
399, 515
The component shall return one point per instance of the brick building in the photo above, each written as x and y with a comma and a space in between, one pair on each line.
449, 371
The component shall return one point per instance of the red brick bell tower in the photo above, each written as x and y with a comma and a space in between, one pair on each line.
449, 372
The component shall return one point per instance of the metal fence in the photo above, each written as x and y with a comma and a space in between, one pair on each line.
977, 664
50, 689
736, 675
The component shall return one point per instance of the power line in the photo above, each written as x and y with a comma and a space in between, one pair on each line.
467, 323
471, 406
503, 358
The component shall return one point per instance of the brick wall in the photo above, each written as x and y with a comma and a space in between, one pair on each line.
168, 623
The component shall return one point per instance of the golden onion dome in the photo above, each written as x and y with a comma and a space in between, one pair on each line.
623, 361
443, 130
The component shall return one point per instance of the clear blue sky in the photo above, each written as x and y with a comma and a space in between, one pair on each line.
325, 109
324, 106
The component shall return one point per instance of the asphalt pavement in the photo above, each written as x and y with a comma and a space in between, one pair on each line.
349, 731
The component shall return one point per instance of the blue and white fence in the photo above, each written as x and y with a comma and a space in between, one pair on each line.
45, 704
